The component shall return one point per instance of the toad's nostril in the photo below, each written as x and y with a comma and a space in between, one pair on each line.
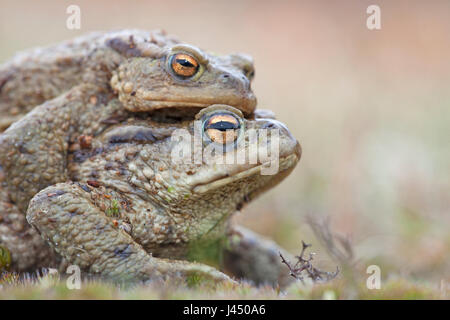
225, 77
275, 124
270, 125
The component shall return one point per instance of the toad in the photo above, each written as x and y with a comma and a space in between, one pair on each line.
145, 70
140, 201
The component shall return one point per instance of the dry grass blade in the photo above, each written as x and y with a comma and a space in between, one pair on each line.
339, 247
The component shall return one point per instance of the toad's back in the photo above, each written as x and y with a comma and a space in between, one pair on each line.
40, 74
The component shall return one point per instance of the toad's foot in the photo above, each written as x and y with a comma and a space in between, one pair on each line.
251, 257
67, 217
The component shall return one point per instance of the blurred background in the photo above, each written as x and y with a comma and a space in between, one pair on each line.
371, 109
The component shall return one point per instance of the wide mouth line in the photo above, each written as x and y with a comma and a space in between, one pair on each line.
204, 187
157, 104
179, 103
179, 109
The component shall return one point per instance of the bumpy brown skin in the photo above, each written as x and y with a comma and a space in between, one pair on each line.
131, 208
33, 155
133, 65
96, 82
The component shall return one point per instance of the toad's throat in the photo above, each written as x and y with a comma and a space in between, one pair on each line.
288, 161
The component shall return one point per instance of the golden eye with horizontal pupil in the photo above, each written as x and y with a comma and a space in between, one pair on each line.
222, 128
184, 65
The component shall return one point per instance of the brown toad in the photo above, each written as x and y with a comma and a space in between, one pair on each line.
134, 209
81, 87
145, 70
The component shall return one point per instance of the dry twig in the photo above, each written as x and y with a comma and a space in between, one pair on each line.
305, 264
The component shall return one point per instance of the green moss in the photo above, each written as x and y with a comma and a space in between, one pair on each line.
114, 209
194, 280
5, 258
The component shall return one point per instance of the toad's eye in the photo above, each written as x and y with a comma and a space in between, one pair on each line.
184, 65
222, 128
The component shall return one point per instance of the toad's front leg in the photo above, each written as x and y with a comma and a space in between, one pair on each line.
33, 151
68, 217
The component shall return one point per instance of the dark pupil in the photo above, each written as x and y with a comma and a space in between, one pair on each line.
223, 125
185, 63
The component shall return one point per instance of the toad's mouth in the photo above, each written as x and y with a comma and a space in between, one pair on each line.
171, 114
160, 104
285, 164
179, 112
151, 106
